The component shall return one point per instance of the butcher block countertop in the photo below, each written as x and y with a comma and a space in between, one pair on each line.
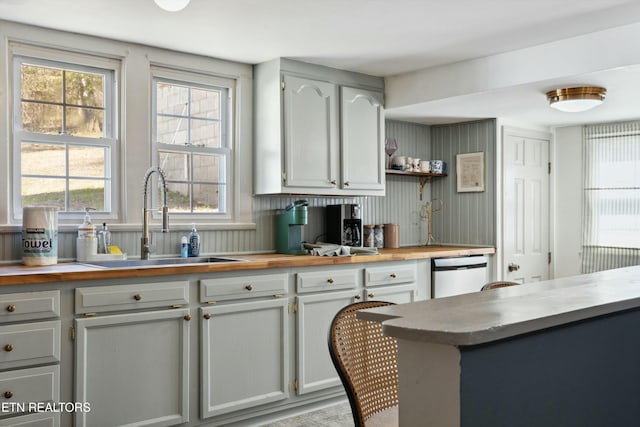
12, 274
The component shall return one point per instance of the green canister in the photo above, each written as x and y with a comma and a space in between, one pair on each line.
289, 224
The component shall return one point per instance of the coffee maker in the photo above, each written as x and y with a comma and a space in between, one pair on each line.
344, 224
289, 224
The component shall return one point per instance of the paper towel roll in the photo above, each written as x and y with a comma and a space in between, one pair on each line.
39, 235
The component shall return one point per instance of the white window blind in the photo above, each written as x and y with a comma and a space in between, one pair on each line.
611, 202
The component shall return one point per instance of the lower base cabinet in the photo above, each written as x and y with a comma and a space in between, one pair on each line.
397, 294
315, 370
32, 420
133, 369
245, 355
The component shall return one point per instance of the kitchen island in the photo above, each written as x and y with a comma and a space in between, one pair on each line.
556, 353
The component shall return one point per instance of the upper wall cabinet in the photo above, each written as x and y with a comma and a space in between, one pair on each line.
317, 130
362, 122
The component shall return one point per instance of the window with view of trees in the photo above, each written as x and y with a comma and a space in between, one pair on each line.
193, 143
63, 135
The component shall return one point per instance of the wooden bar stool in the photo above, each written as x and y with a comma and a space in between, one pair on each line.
366, 361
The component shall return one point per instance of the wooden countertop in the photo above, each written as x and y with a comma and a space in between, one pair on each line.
482, 317
12, 274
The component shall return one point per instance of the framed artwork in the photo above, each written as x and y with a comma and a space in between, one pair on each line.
470, 172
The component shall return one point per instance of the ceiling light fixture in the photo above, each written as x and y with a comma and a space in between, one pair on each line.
172, 5
576, 99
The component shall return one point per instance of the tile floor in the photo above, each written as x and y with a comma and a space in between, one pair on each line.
333, 416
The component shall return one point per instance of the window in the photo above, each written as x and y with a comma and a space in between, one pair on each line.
193, 141
611, 236
64, 139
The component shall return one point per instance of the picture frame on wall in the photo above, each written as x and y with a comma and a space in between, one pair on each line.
470, 172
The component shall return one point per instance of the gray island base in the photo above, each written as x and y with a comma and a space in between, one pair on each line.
562, 352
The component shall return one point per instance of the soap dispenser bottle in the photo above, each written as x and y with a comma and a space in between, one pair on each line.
104, 239
194, 242
86, 243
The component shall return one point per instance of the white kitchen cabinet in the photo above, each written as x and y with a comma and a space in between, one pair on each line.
244, 355
241, 287
244, 342
27, 344
133, 369
398, 294
317, 130
22, 387
390, 274
138, 296
315, 371
362, 130
29, 306
31, 343
327, 280
311, 144
39, 419
393, 282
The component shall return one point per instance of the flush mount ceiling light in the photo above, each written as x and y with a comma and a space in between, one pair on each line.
172, 5
576, 99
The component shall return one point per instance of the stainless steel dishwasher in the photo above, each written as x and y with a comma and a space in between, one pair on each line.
459, 275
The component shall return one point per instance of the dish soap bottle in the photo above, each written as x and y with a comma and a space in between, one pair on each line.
184, 247
86, 243
194, 242
104, 239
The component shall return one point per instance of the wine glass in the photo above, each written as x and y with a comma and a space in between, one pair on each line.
390, 147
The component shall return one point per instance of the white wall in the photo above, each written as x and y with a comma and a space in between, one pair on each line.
567, 214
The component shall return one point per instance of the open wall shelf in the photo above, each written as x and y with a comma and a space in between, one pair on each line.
423, 176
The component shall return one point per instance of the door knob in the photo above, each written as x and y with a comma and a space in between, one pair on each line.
513, 267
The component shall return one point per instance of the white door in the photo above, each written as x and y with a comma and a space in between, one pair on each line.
525, 231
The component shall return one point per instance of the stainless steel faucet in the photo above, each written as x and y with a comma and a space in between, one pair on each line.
145, 248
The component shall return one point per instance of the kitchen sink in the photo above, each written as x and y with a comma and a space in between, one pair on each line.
159, 262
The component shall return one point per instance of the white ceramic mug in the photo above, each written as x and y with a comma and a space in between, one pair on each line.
400, 162
425, 166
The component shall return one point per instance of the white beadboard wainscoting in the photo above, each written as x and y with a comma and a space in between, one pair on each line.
467, 218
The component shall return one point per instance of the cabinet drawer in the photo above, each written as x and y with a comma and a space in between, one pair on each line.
22, 387
327, 280
29, 306
243, 287
29, 344
398, 294
389, 275
39, 419
131, 297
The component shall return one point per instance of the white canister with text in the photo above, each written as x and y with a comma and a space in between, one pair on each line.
39, 235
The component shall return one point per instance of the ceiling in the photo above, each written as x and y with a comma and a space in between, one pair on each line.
379, 37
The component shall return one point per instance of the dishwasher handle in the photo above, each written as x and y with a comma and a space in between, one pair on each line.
459, 263
459, 267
